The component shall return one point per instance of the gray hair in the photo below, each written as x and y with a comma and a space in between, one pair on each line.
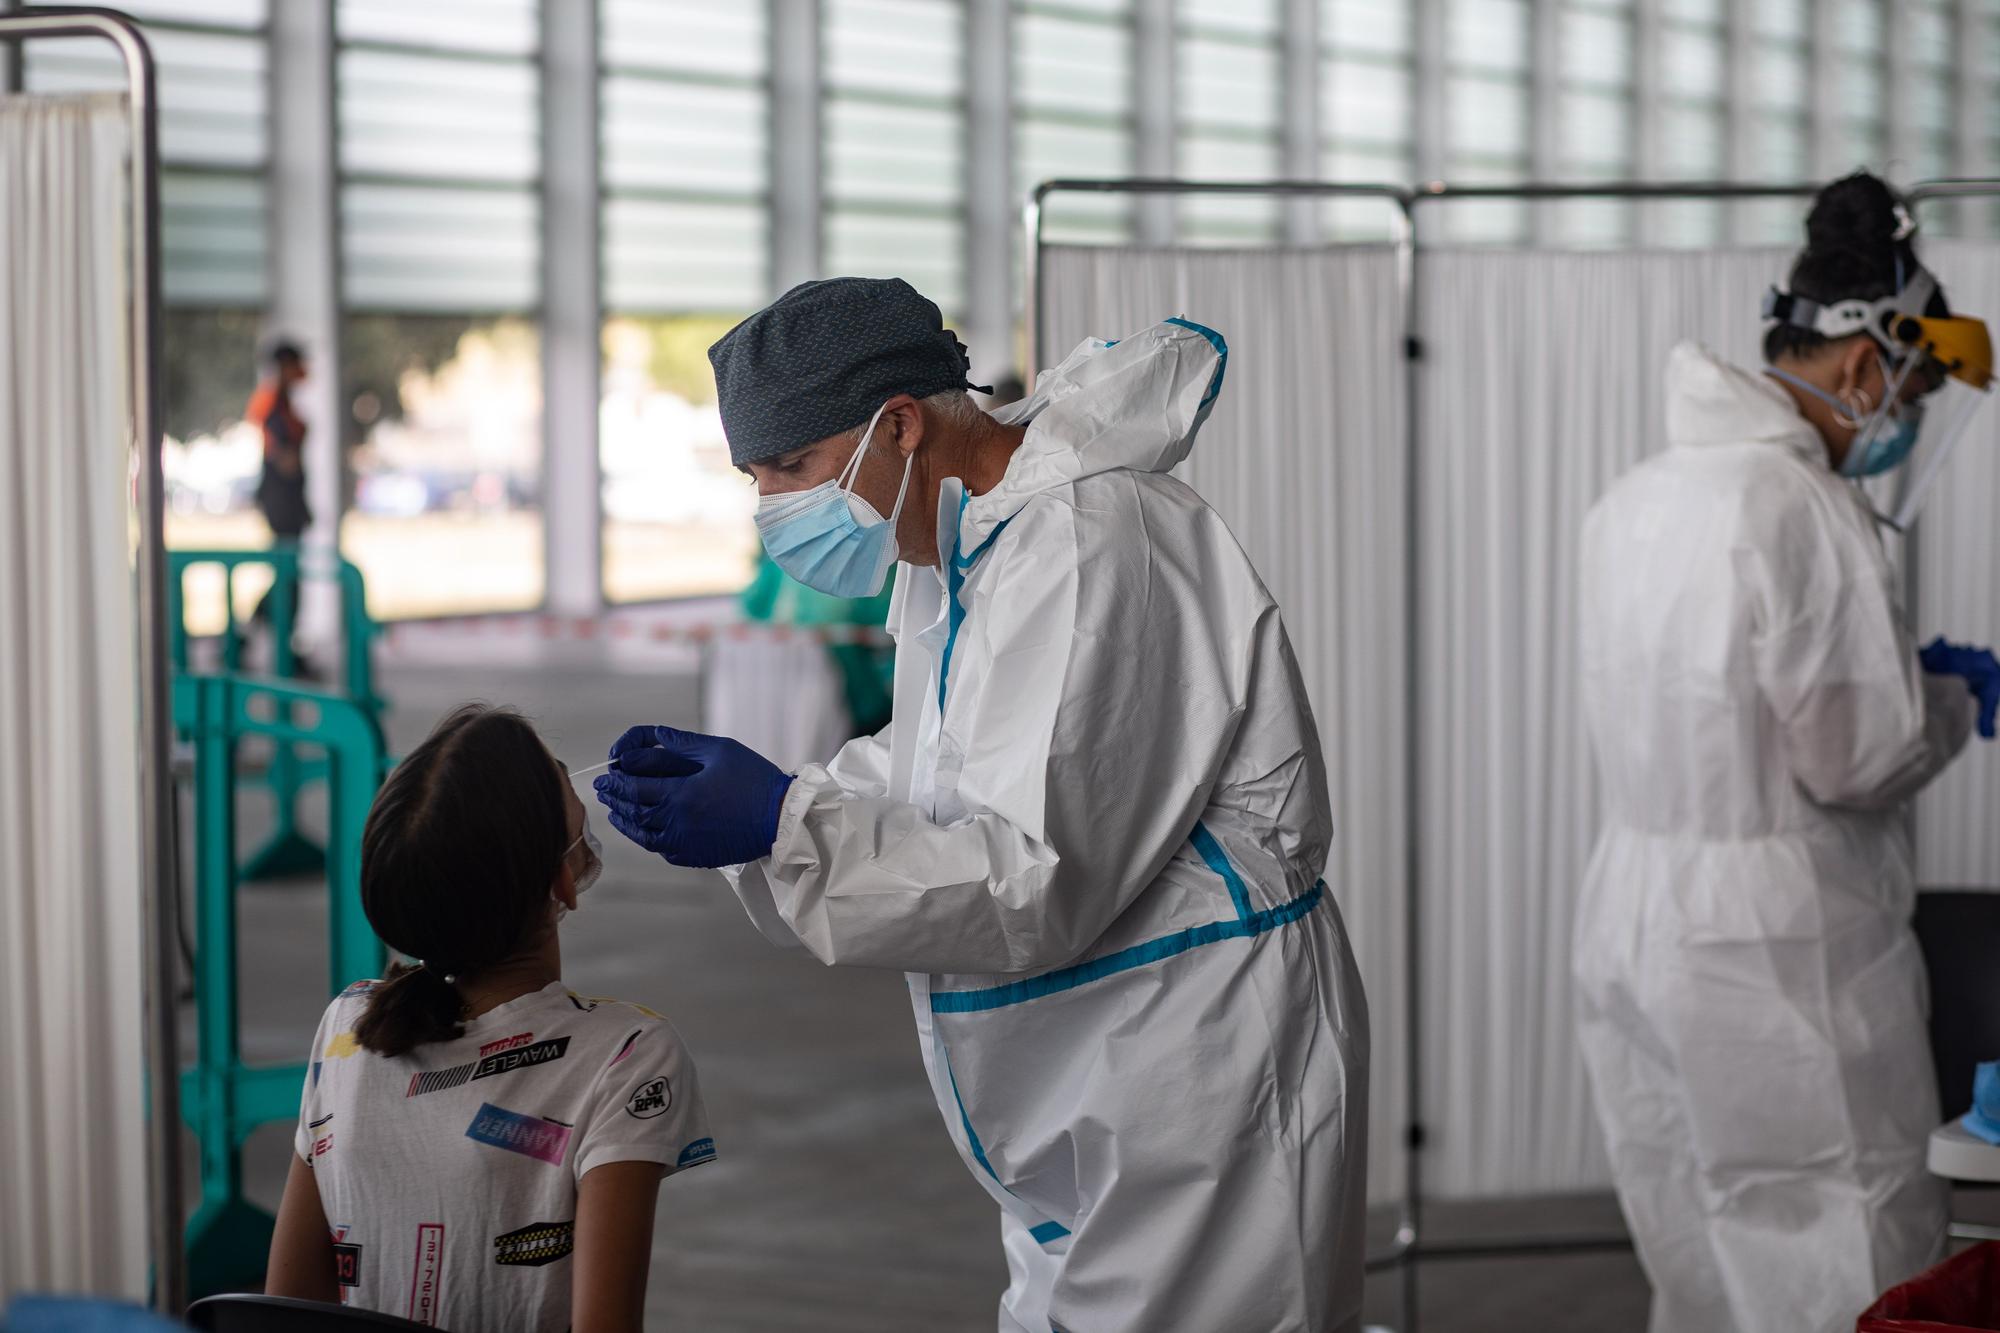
952, 408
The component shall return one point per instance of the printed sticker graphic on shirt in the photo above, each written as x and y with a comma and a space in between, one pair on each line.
530, 1135
500, 1062
507, 1043
696, 1153
427, 1275
322, 1144
340, 1046
536, 1244
346, 1259
650, 1098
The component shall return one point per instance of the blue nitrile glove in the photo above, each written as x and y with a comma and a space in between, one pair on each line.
1984, 1117
1979, 668
697, 800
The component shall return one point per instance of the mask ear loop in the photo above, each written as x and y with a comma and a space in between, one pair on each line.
845, 481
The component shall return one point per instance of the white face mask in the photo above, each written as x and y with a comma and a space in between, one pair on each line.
593, 866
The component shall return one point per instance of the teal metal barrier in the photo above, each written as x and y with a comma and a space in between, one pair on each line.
287, 851
222, 1099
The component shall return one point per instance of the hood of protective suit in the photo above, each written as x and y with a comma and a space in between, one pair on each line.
1134, 402
1710, 401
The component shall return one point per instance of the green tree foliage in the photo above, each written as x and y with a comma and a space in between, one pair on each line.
208, 367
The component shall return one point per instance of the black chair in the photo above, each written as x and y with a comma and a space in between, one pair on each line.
282, 1314
1959, 931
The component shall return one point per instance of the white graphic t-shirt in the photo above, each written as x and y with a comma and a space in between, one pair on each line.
449, 1175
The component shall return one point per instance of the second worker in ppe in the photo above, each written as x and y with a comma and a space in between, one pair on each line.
1751, 995
1094, 831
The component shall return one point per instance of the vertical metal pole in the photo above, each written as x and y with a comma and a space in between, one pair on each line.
1973, 109
1428, 20
1544, 116
1409, 1233
797, 204
1828, 99
989, 189
1898, 97
1648, 143
160, 932
1031, 288
1301, 117
572, 340
304, 259
11, 57
1740, 116
1154, 74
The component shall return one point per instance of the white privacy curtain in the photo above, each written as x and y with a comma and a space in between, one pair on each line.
1958, 592
1541, 382
72, 1129
1304, 457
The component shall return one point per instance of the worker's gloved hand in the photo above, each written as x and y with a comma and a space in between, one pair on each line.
1979, 669
696, 800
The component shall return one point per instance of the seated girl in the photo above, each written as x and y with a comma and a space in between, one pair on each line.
480, 1148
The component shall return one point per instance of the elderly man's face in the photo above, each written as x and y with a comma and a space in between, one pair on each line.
899, 434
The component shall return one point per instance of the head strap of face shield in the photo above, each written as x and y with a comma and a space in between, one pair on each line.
1885, 319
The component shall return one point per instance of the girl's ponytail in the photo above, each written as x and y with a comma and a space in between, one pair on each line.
412, 1005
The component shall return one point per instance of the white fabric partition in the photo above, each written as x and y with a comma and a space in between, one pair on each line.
1541, 382
73, 1184
1304, 457
1958, 593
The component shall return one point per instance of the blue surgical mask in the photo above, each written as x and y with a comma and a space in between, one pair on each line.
829, 538
1885, 440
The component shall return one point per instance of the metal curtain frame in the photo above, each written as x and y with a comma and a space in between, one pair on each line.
1410, 1249
159, 925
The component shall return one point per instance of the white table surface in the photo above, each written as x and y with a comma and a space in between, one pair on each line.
1958, 1154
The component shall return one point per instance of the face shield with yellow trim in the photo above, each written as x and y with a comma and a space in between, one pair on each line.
1938, 369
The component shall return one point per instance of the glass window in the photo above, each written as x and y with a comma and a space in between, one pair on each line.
212, 62
1229, 94
446, 450
1596, 49
914, 48
685, 143
677, 516
1781, 78
1487, 119
1691, 64
685, 36
1073, 108
1381, 27
1258, 18
440, 209
1367, 103
1787, 19
894, 147
1595, 132
437, 117
1488, 34
503, 27
1231, 84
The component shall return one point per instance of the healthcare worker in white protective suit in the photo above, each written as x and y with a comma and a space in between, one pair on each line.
1752, 1000
1093, 833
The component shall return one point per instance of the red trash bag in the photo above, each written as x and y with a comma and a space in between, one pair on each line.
1959, 1295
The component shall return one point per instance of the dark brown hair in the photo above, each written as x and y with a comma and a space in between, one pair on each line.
1852, 252
460, 849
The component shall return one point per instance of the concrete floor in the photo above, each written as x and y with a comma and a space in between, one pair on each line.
837, 1202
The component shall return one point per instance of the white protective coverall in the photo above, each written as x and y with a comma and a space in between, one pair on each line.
1752, 1000
1093, 837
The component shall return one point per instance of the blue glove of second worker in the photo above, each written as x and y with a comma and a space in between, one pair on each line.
696, 800
1979, 668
